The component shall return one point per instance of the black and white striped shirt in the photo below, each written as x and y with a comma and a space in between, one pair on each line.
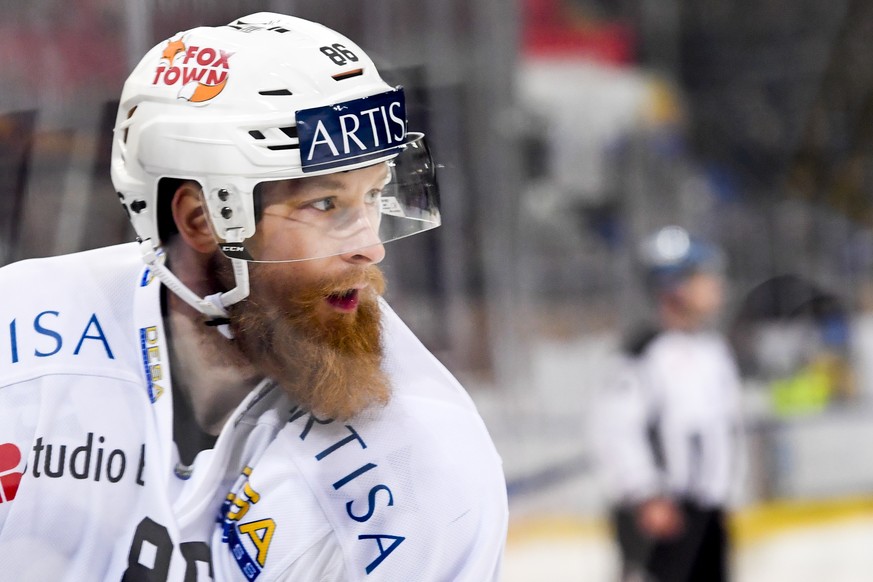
668, 421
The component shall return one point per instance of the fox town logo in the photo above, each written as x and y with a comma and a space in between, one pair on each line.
10, 476
200, 72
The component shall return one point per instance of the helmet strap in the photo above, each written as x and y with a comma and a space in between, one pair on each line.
213, 306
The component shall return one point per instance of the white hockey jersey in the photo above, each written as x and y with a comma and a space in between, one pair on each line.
669, 421
88, 486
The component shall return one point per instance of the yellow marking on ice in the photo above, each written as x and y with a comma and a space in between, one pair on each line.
521, 531
753, 524
748, 525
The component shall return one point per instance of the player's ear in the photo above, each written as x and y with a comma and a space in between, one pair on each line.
189, 214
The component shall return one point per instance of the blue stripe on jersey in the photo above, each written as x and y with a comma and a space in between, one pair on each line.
250, 569
145, 364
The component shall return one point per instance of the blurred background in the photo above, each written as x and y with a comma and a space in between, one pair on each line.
566, 130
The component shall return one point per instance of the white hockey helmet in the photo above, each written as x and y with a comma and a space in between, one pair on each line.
672, 254
268, 97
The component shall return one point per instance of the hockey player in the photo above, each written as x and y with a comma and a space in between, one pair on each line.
666, 428
244, 405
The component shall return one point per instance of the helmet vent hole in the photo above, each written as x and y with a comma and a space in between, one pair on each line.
348, 74
276, 138
276, 93
290, 131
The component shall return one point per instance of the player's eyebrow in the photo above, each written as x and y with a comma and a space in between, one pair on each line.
333, 184
326, 183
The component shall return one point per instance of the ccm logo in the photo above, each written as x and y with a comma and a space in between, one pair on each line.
236, 251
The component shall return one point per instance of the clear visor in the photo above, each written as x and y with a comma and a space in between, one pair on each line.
343, 212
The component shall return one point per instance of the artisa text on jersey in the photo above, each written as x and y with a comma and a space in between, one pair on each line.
377, 545
49, 333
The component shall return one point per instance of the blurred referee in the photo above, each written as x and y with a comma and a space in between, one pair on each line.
667, 422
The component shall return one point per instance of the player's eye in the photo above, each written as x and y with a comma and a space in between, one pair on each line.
373, 196
324, 204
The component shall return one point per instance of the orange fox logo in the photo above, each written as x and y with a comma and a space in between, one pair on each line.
202, 71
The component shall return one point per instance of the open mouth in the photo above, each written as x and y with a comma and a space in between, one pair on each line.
345, 300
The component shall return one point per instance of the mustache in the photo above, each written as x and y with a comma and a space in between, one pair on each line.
268, 280
300, 299
282, 302
369, 280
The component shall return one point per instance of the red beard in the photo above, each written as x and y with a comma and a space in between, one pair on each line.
328, 364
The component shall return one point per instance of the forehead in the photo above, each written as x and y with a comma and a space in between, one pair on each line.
350, 181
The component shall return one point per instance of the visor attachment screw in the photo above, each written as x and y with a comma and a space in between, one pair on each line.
138, 206
226, 213
223, 195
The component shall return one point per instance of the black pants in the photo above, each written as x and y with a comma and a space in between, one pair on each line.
699, 554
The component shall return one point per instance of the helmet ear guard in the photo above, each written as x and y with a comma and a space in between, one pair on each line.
266, 98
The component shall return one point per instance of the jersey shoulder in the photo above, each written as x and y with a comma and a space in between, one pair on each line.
412, 491
414, 370
389, 501
68, 312
70, 279
427, 398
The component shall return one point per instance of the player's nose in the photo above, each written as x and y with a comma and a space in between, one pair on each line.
368, 254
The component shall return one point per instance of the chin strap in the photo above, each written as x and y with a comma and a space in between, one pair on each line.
221, 322
213, 306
